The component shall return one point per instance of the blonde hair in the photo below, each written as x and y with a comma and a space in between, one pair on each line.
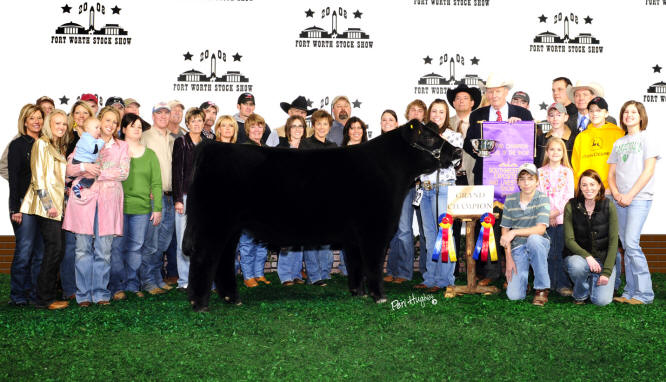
70, 117
218, 123
565, 157
59, 143
26, 111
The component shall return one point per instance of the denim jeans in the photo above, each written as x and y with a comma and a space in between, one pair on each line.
318, 262
252, 256
558, 277
93, 266
290, 263
51, 231
67, 272
636, 272
400, 261
159, 237
533, 253
128, 272
27, 260
171, 269
437, 273
182, 261
585, 282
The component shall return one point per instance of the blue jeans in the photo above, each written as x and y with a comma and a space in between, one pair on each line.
93, 266
290, 264
172, 257
67, 273
533, 253
182, 261
252, 256
318, 262
558, 277
585, 282
159, 237
400, 261
27, 260
636, 272
437, 273
127, 255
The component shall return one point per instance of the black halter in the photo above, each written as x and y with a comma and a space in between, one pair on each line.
434, 152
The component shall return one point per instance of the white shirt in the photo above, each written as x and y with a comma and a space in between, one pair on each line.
492, 115
446, 174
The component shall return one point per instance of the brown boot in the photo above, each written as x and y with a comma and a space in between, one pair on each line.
250, 283
540, 297
55, 305
388, 279
263, 280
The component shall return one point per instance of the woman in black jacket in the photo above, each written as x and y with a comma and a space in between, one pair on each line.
590, 236
29, 244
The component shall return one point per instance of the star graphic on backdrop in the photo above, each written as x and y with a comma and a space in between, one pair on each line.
116, 10
237, 57
309, 101
188, 56
357, 103
588, 20
427, 60
64, 100
475, 61
543, 106
66, 8
656, 68
309, 13
357, 14
542, 18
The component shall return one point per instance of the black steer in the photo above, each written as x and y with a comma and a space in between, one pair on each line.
349, 197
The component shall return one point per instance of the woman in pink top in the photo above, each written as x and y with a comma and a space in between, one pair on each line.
98, 214
556, 180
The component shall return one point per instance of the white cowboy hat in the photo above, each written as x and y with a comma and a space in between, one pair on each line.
496, 81
595, 88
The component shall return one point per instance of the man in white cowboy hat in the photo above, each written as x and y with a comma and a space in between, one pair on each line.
497, 89
581, 95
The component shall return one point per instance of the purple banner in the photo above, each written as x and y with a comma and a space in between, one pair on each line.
514, 146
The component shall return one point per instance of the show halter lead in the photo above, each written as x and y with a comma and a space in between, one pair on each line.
485, 243
445, 244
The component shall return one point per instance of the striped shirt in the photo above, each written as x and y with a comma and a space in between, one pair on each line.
536, 212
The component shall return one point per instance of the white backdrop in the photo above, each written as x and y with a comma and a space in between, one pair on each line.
403, 41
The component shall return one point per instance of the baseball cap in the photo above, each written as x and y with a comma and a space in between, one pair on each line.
521, 96
208, 104
161, 105
557, 106
529, 167
599, 101
89, 97
246, 97
129, 101
114, 100
174, 102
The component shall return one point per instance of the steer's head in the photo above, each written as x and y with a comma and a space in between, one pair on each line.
435, 150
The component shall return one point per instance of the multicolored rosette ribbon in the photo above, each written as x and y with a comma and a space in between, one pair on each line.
485, 243
445, 244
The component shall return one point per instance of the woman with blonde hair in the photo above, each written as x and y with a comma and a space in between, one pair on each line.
226, 129
45, 200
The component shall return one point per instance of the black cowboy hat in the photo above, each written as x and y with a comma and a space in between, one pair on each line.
299, 103
475, 93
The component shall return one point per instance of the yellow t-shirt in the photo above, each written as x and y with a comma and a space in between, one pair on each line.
592, 148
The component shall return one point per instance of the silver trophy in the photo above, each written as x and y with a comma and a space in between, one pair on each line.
484, 146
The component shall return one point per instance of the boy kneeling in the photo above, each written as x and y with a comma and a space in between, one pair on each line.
526, 216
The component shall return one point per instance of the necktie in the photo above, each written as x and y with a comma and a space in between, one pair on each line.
583, 123
499, 116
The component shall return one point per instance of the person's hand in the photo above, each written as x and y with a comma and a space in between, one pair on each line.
17, 217
603, 280
52, 212
514, 119
92, 169
510, 269
156, 218
553, 221
507, 238
593, 264
179, 207
624, 200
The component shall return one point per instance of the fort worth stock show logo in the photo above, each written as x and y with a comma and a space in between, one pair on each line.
454, 3
337, 18
212, 78
656, 93
437, 82
93, 33
563, 39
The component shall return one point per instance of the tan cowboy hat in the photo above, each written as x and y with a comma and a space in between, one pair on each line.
497, 81
595, 88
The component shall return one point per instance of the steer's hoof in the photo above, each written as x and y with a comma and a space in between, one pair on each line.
232, 301
381, 301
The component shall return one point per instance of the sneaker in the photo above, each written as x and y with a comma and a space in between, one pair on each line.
565, 292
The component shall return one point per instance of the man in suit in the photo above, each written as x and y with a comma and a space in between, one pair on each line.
497, 89
463, 99
582, 94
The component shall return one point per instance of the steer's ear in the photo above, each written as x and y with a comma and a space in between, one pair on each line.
411, 130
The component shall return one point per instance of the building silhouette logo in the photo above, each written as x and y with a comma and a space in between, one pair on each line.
212, 73
656, 93
452, 70
453, 3
334, 28
96, 24
569, 35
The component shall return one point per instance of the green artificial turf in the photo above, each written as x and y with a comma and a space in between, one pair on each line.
311, 333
